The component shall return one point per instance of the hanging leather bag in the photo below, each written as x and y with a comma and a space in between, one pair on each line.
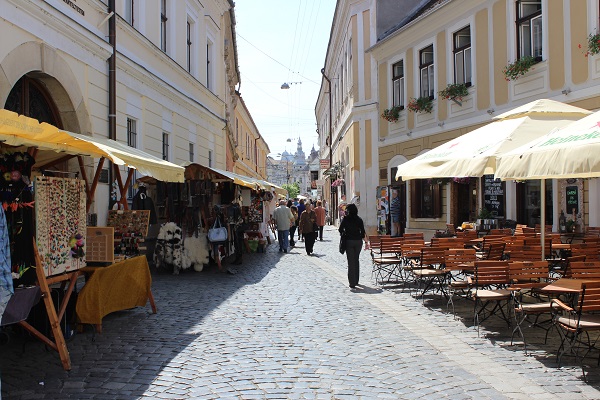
217, 233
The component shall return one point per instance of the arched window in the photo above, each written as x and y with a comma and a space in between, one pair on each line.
30, 98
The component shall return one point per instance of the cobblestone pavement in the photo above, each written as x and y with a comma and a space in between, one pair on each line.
288, 326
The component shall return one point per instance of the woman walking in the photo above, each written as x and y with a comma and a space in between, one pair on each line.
306, 227
353, 228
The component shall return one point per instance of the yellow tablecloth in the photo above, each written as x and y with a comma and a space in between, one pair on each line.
120, 286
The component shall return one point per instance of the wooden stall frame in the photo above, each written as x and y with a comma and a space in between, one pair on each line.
58, 342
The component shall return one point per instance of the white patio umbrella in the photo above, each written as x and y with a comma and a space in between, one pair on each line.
570, 152
474, 154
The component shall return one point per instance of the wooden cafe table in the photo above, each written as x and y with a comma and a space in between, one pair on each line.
117, 287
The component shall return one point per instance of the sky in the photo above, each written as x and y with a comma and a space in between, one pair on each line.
283, 41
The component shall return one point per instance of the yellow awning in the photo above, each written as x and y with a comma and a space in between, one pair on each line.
18, 130
147, 164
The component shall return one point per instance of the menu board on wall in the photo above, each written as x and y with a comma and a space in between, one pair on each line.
572, 199
493, 195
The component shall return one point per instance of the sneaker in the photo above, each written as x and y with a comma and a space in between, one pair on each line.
280, 249
285, 250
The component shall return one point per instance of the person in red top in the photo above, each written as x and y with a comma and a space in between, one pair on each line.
320, 211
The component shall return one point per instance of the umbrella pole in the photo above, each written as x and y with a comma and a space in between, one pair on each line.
543, 216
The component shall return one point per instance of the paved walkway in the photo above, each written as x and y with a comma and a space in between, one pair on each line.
288, 326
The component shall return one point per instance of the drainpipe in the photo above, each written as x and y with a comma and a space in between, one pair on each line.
330, 147
112, 87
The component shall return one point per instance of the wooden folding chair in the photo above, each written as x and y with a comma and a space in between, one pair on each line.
385, 256
526, 277
432, 270
577, 321
457, 262
591, 251
585, 270
488, 286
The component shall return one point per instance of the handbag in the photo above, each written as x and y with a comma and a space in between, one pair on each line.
217, 233
342, 244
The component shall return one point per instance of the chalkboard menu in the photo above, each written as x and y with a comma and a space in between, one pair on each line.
572, 197
493, 195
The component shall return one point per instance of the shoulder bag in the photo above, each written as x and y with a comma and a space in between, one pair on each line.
217, 233
342, 243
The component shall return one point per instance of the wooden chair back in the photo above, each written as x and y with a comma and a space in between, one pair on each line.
590, 250
589, 301
519, 229
585, 270
447, 243
491, 273
527, 231
592, 230
456, 259
547, 228
432, 257
591, 239
566, 272
390, 246
414, 235
501, 231
412, 251
525, 273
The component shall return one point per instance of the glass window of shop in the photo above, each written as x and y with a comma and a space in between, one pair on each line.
529, 203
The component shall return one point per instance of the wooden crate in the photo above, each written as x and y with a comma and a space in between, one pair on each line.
100, 246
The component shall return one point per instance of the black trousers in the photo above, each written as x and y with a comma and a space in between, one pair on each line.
320, 232
353, 248
309, 241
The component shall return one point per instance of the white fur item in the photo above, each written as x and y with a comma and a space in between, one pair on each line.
195, 252
169, 249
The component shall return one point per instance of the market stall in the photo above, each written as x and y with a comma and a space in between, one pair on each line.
46, 210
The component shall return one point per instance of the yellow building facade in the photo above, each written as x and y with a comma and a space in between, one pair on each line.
250, 150
473, 43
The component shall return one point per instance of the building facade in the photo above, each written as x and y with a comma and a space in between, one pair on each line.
249, 151
175, 72
419, 53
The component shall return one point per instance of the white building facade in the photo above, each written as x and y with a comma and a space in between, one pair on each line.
175, 71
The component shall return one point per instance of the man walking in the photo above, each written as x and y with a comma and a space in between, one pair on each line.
320, 211
283, 219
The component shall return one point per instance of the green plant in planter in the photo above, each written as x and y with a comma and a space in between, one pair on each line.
421, 105
484, 213
518, 68
454, 91
593, 44
392, 114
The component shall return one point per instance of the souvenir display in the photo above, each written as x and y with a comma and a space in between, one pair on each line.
131, 227
16, 196
255, 211
60, 223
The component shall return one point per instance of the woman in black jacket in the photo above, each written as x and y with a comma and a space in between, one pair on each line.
353, 228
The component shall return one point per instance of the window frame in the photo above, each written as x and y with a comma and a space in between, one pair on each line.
418, 188
132, 142
192, 155
520, 21
456, 52
429, 68
398, 99
129, 11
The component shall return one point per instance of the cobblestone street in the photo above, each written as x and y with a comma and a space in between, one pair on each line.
288, 326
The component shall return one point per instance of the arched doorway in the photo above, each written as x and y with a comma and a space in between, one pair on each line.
31, 98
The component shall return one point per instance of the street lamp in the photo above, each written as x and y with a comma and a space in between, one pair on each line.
287, 85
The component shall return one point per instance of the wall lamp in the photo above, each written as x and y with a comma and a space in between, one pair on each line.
566, 91
441, 124
409, 133
491, 111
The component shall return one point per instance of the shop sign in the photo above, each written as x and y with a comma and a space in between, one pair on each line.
572, 197
324, 163
74, 6
493, 195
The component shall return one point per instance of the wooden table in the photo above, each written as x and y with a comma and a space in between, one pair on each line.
565, 285
119, 286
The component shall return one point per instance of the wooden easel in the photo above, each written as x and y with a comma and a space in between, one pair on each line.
58, 341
